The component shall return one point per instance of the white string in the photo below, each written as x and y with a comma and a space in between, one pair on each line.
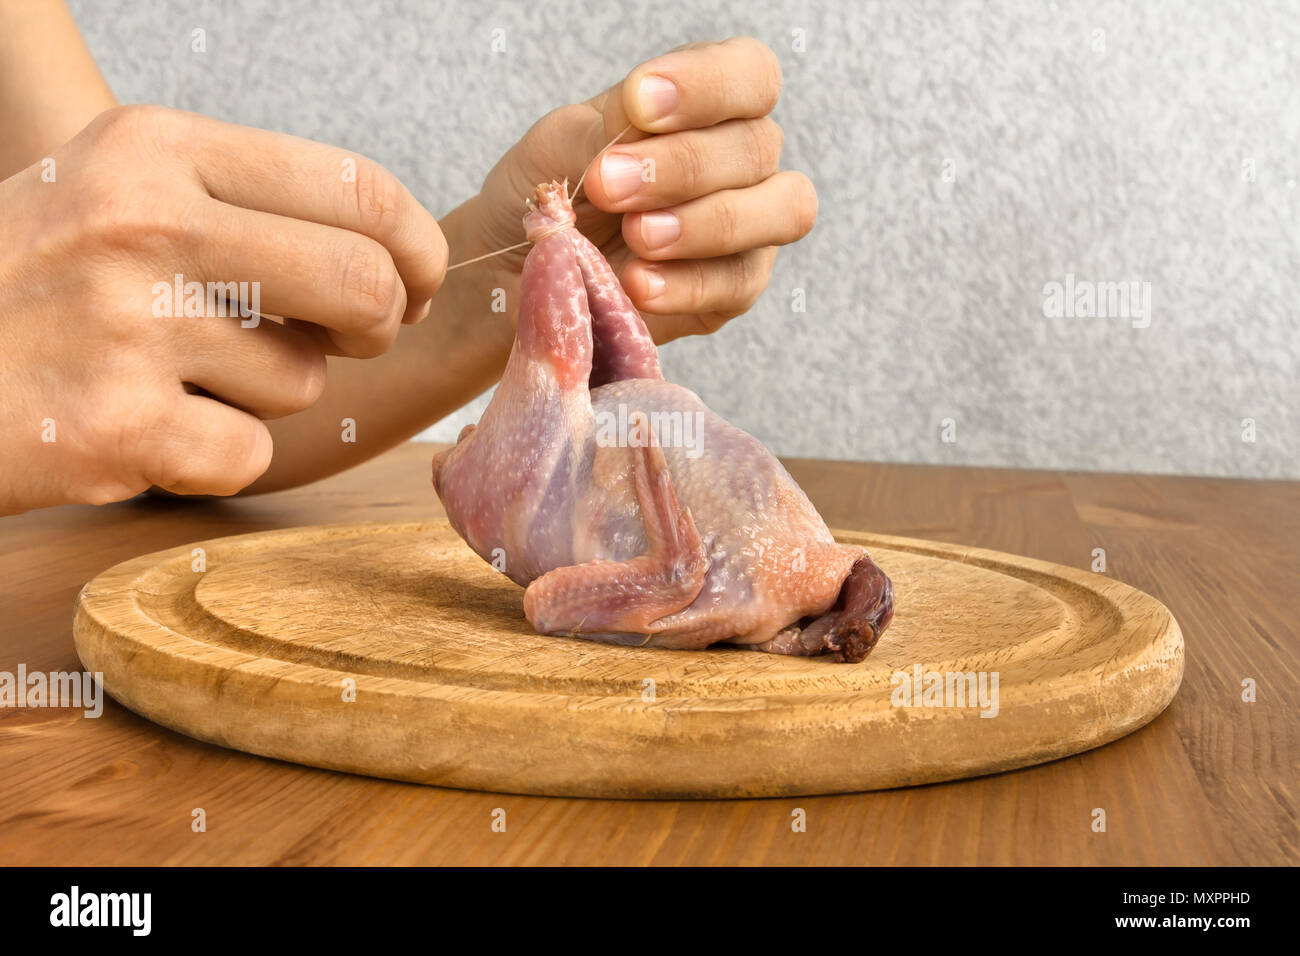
597, 156
489, 255
520, 245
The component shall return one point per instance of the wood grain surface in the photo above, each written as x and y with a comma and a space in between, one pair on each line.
1209, 781
391, 649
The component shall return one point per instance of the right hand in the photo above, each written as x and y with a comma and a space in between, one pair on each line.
133, 400
719, 185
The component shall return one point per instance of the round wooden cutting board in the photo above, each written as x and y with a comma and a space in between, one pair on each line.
392, 650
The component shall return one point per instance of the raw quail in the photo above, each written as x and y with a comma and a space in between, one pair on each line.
630, 512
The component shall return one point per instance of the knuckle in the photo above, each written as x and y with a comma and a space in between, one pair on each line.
706, 323
369, 281
427, 276
556, 127
99, 487
698, 286
770, 73
248, 450
692, 164
773, 81
132, 440
767, 68
107, 491
552, 136
98, 494
377, 196
437, 256
805, 204
128, 122
144, 442
727, 223
306, 381
102, 223
744, 278
134, 218
122, 331
767, 140
231, 459
111, 198
135, 128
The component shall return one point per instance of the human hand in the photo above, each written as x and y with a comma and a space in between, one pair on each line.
101, 396
694, 246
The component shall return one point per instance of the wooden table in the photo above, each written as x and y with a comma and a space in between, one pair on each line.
1210, 781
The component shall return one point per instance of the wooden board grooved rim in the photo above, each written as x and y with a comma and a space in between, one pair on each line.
453, 688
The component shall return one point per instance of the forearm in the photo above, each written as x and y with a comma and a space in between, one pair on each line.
50, 87
431, 370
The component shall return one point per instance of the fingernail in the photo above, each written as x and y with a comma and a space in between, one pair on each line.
654, 284
415, 318
620, 175
659, 229
658, 97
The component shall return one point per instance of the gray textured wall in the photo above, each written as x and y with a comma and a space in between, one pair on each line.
1165, 151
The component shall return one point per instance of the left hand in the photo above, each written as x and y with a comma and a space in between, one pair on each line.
694, 246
